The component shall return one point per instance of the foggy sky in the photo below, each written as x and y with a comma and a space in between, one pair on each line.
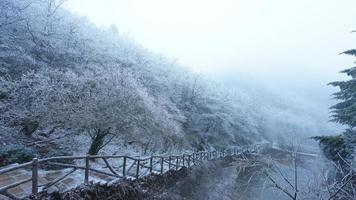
291, 45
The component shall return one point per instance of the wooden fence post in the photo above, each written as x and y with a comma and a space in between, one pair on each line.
151, 164
86, 172
177, 162
169, 163
188, 161
183, 160
35, 176
162, 160
124, 167
137, 169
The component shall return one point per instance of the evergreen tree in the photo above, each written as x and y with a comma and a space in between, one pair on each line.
344, 112
340, 147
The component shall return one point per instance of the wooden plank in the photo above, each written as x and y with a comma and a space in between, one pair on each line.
107, 156
67, 165
140, 159
61, 158
109, 166
79, 167
13, 168
48, 185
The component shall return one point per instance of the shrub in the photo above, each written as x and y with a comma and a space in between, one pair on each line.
15, 154
332, 146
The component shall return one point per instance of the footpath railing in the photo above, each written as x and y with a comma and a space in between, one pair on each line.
130, 167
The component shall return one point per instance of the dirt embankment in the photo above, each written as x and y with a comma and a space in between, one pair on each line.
144, 188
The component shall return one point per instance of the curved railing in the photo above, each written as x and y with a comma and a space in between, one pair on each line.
130, 167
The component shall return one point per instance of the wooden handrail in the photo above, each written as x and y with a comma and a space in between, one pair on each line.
13, 168
183, 160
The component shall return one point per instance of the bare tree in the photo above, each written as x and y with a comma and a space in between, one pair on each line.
341, 187
11, 12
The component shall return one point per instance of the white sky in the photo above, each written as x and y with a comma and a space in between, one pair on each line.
288, 43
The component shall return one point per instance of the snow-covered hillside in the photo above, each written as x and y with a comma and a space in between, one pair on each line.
93, 89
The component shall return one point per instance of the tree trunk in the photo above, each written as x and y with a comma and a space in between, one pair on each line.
97, 143
29, 127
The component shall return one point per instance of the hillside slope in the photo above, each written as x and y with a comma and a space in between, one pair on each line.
63, 78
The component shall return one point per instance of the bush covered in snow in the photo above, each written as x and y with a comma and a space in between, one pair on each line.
15, 154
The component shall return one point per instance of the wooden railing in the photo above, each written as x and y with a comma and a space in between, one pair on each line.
131, 167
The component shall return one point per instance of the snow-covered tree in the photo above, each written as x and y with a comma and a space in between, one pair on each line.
59, 70
102, 103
